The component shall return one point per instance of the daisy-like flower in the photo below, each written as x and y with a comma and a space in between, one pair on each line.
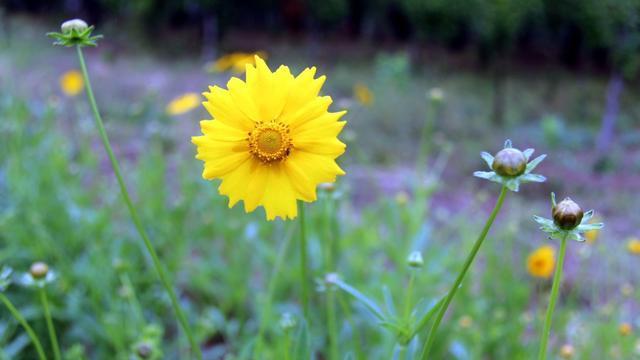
71, 83
183, 104
625, 329
568, 220
633, 246
272, 139
363, 94
235, 62
511, 167
541, 262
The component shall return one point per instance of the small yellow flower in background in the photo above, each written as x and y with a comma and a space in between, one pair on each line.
272, 139
363, 94
402, 198
71, 83
633, 246
567, 351
626, 289
183, 104
236, 62
541, 262
592, 236
624, 329
465, 322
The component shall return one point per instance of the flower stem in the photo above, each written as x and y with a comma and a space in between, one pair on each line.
133, 213
16, 314
557, 277
52, 331
474, 251
303, 264
330, 238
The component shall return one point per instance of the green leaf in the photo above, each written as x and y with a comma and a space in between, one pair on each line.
532, 165
388, 301
302, 349
527, 153
532, 178
488, 158
367, 302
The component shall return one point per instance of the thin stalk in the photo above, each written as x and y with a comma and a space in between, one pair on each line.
408, 300
557, 277
52, 331
133, 212
16, 314
332, 326
474, 251
303, 264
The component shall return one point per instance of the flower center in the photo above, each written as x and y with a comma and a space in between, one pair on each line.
269, 141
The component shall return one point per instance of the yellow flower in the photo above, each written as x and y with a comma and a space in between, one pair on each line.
633, 246
567, 351
236, 62
362, 93
271, 139
402, 198
183, 104
592, 236
71, 83
541, 262
625, 329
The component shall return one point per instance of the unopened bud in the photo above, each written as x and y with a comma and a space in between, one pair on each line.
75, 24
567, 351
567, 214
144, 350
509, 162
39, 270
414, 260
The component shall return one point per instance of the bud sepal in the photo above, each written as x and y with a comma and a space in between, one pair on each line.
75, 32
555, 231
511, 167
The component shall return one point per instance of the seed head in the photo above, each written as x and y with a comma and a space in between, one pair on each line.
144, 350
39, 270
567, 214
509, 162
75, 24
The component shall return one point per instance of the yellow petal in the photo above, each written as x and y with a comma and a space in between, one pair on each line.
304, 90
221, 106
279, 197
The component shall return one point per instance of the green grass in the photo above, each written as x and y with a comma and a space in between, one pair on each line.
236, 272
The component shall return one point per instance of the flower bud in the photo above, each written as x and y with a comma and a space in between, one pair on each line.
414, 260
39, 270
436, 95
567, 351
509, 162
567, 214
287, 321
144, 350
75, 24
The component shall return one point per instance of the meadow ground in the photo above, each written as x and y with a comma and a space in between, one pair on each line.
237, 273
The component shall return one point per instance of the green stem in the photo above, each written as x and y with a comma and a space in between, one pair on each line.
132, 210
16, 314
52, 331
557, 277
408, 301
332, 326
434, 328
303, 264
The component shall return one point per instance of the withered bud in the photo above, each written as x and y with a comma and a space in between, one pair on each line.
39, 270
144, 350
567, 214
509, 162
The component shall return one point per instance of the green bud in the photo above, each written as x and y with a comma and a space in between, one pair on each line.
144, 350
414, 260
76, 24
39, 270
509, 162
567, 215
287, 322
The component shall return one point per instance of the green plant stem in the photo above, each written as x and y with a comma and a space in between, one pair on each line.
303, 264
16, 314
52, 331
332, 327
474, 251
133, 213
557, 277
408, 300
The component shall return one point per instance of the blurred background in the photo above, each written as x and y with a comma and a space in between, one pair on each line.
428, 85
